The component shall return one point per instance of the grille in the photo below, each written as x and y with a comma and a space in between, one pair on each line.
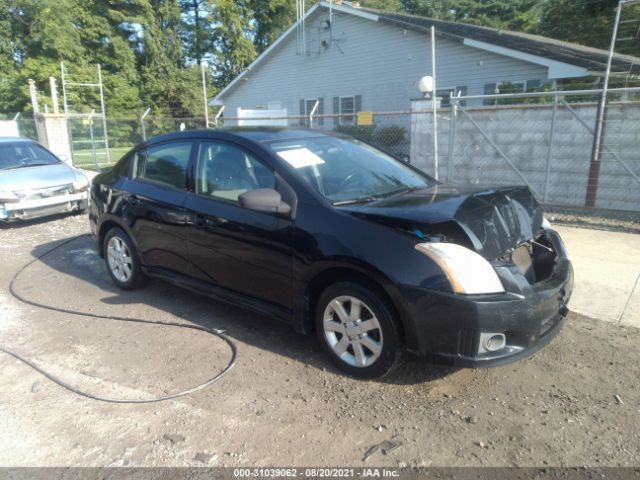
468, 342
39, 193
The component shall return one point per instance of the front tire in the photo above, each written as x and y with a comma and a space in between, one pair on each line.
358, 331
122, 260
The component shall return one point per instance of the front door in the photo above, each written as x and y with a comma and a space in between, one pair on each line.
244, 251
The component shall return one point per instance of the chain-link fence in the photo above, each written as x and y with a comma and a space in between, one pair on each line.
544, 140
89, 149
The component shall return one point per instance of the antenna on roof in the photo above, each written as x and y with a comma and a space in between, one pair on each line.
300, 29
330, 12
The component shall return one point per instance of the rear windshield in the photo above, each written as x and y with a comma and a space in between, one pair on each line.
24, 154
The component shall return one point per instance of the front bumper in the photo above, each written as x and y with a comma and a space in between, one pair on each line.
448, 327
41, 207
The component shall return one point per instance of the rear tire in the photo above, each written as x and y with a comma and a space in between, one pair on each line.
358, 331
122, 260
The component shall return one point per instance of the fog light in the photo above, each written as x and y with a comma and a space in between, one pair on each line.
492, 342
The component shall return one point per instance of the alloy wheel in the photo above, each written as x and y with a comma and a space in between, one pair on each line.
119, 259
352, 331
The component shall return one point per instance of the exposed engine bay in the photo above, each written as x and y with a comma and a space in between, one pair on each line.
535, 259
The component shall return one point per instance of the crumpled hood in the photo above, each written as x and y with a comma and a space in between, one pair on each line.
496, 219
33, 178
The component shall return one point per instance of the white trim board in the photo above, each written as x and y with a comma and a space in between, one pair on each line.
556, 69
350, 10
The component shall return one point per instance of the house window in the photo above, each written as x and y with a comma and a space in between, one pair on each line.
306, 107
510, 86
445, 95
347, 106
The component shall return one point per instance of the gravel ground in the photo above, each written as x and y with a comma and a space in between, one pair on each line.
576, 402
597, 219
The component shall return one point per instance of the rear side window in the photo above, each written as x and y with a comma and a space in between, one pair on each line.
166, 164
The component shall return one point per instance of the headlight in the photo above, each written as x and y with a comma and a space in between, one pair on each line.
81, 183
545, 224
467, 272
7, 196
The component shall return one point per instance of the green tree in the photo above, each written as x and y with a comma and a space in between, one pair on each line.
234, 49
388, 5
270, 19
198, 28
517, 15
590, 23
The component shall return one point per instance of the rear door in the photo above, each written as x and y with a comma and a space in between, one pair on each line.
156, 198
231, 247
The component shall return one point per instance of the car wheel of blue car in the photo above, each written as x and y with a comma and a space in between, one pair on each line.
358, 330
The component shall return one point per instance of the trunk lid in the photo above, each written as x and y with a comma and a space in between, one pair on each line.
495, 219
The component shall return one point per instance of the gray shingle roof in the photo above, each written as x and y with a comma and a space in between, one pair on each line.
593, 59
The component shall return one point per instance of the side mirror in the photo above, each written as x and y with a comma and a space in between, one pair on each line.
264, 200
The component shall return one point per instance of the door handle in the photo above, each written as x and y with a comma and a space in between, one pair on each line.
202, 222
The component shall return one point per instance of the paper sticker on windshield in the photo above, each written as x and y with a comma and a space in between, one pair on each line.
300, 157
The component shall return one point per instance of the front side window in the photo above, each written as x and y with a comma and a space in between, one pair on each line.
166, 164
225, 171
345, 170
24, 154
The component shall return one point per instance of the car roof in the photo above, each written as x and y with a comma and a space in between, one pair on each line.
256, 134
15, 139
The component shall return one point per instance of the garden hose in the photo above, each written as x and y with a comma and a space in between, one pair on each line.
77, 391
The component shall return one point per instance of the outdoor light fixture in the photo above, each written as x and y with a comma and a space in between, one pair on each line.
425, 85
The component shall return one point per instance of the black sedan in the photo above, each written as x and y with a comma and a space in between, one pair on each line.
335, 237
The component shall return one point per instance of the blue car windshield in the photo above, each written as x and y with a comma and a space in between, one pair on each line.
24, 154
345, 170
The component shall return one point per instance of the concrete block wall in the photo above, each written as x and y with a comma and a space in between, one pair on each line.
53, 133
523, 133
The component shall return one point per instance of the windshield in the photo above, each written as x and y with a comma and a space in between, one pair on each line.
348, 171
24, 154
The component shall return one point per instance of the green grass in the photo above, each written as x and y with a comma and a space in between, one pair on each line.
84, 158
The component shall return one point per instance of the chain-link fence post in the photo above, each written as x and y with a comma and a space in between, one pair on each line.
550, 150
452, 137
92, 140
144, 131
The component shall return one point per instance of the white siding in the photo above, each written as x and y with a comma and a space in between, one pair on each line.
382, 63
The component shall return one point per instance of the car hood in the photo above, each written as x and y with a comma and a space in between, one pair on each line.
495, 219
32, 178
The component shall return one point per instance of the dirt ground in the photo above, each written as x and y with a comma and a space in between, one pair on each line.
575, 403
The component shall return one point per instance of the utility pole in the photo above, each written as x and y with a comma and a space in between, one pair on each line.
596, 155
203, 67
434, 102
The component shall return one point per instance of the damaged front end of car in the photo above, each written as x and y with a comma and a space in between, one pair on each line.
509, 278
